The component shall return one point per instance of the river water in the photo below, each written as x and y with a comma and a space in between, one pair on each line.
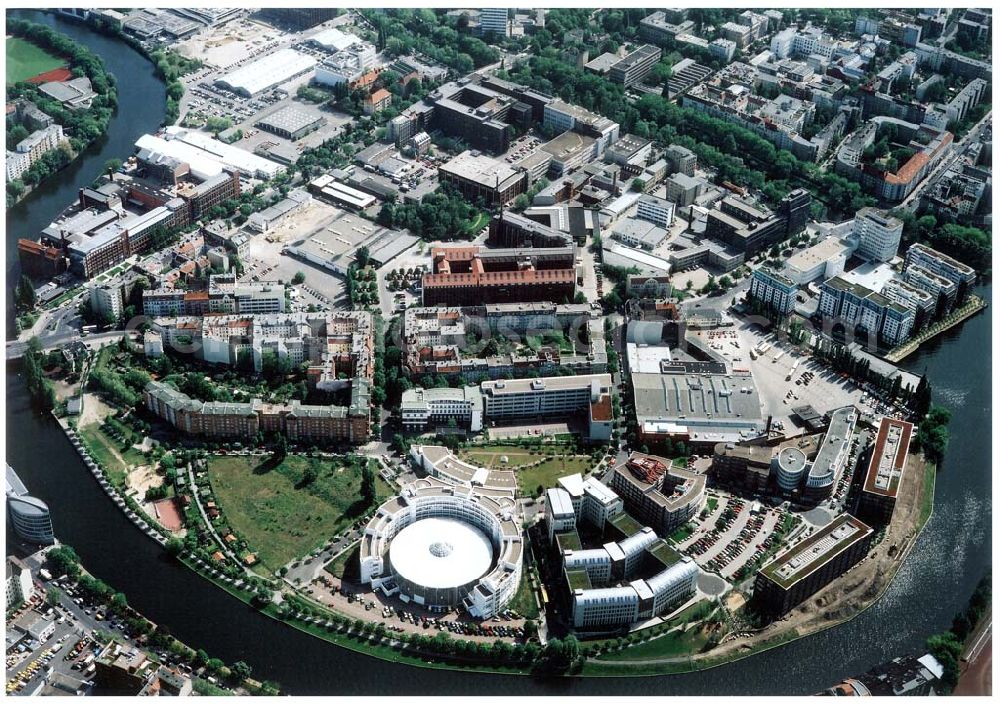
953, 552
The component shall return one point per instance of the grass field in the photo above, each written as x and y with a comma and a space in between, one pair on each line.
673, 644
25, 60
524, 600
555, 463
102, 448
279, 516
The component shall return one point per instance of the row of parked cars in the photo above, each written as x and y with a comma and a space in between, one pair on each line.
742, 541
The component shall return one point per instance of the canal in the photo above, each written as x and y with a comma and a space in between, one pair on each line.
952, 554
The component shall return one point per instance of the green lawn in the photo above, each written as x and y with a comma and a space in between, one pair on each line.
671, 645
555, 463
280, 518
347, 564
100, 446
524, 600
25, 60
550, 339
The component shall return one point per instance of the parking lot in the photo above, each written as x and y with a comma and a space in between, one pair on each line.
357, 601
732, 535
822, 388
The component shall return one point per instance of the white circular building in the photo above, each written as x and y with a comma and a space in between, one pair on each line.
442, 546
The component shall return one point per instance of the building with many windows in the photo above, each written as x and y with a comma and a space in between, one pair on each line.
878, 234
444, 546
550, 398
224, 295
20, 587
494, 20
636, 65
884, 474
962, 275
773, 290
29, 515
478, 176
858, 307
657, 493
474, 275
811, 564
422, 407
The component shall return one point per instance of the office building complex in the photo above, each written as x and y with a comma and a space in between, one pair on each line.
442, 546
422, 407
494, 20
29, 515
474, 275
885, 471
657, 493
552, 397
801, 571
878, 234
636, 65
590, 501
477, 176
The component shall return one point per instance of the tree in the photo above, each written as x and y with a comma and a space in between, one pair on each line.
119, 603
25, 293
215, 665
309, 475
111, 166
174, 547
64, 560
362, 257
52, 596
368, 489
241, 670
299, 278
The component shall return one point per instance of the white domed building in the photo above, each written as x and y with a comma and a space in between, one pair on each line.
442, 546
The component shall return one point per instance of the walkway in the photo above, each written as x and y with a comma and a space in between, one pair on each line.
971, 307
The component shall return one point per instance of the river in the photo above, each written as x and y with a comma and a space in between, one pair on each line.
951, 555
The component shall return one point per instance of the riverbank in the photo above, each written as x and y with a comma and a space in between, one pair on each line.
971, 307
843, 600
81, 127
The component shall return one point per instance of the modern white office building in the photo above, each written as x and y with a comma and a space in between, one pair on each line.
638, 600
878, 234
422, 407
29, 515
552, 398
443, 546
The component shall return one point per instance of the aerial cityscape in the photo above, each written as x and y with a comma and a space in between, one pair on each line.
499, 351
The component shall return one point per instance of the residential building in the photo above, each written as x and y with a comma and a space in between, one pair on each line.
225, 295
20, 586
773, 290
377, 101
106, 301
942, 265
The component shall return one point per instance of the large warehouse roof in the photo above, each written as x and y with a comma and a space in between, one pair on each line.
200, 149
274, 69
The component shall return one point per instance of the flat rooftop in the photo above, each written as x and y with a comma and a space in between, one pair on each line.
819, 548
480, 168
888, 460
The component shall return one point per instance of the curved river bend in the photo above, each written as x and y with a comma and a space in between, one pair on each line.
935, 583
